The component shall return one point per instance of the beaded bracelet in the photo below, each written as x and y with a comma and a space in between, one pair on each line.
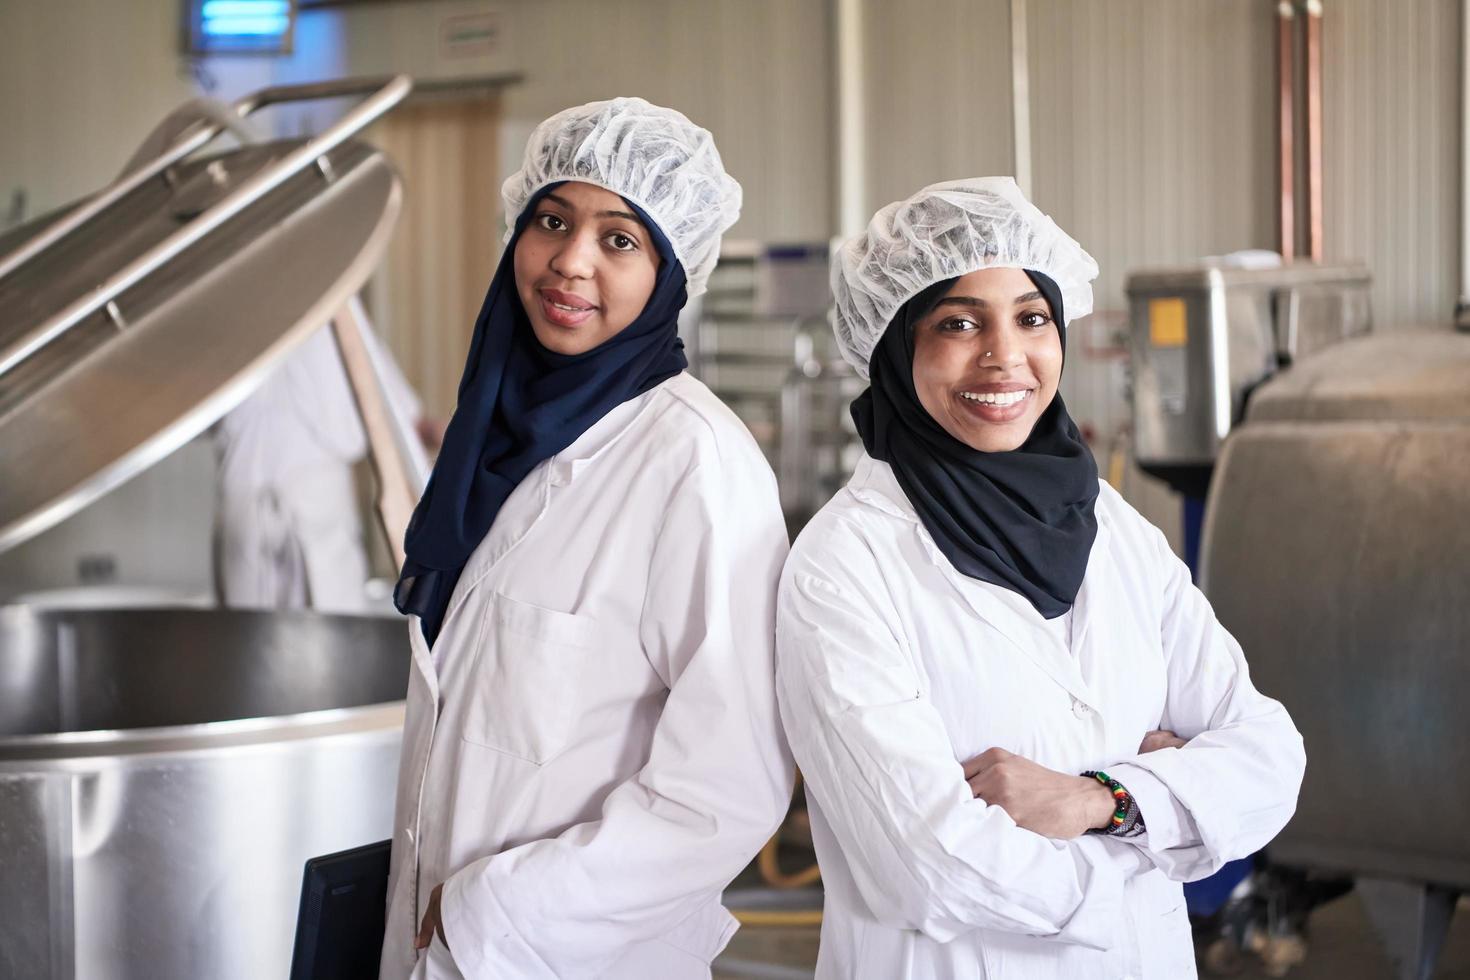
1127, 821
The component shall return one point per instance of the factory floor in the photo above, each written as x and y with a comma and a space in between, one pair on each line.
1342, 946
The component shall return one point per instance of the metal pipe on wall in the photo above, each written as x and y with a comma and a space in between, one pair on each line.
1020, 98
1314, 129
1286, 35
851, 136
1462, 308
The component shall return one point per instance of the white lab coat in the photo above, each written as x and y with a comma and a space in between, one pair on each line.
893, 668
288, 533
592, 749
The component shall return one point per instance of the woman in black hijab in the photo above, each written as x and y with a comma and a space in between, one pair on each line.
984, 654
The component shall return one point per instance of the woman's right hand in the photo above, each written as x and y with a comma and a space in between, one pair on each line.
1160, 738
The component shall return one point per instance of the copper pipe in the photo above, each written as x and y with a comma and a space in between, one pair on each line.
1314, 129
1287, 37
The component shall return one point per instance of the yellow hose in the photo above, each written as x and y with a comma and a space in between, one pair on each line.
772, 874
774, 917
769, 866
1117, 460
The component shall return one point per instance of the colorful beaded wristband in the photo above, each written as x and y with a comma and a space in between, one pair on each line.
1127, 821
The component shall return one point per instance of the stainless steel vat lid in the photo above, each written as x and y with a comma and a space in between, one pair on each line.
130, 383
1407, 374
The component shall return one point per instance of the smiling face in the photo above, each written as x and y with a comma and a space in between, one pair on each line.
585, 267
987, 359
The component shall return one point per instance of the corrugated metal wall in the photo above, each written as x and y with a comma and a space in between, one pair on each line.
938, 91
1391, 150
1154, 128
756, 73
1153, 121
1153, 136
1153, 144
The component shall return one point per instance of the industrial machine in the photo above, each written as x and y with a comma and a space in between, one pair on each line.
1204, 336
1326, 467
1337, 552
165, 773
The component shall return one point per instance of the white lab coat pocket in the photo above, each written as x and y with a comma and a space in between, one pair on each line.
527, 680
1161, 924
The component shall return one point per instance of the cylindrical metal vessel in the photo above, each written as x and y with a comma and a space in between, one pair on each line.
165, 774
1337, 551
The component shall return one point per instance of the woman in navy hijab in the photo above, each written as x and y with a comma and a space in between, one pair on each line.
591, 748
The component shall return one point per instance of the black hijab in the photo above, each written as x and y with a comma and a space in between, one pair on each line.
519, 404
1022, 519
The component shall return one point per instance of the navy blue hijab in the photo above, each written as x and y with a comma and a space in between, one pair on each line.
1023, 519
519, 404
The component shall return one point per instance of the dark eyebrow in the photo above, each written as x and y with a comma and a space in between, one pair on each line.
977, 301
601, 214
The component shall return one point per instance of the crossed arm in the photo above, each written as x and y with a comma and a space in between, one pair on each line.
1053, 804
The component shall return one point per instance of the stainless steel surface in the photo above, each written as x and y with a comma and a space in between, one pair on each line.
1337, 552
1412, 920
763, 344
200, 331
194, 139
741, 345
1411, 374
819, 445
164, 775
240, 196
1230, 330
335, 88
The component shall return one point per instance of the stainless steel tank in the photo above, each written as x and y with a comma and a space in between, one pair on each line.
165, 774
1337, 550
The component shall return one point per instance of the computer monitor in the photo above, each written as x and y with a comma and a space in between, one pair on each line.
339, 928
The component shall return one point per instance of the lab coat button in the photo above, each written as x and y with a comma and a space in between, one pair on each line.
1079, 709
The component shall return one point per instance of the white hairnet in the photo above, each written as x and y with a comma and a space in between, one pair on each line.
943, 231
652, 156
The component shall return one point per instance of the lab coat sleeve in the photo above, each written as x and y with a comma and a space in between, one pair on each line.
923, 852
718, 778
1233, 787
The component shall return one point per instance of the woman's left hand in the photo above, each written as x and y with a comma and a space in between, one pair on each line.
1160, 738
431, 925
1043, 801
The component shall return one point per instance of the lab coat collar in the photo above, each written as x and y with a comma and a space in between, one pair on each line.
874, 484
513, 523
602, 435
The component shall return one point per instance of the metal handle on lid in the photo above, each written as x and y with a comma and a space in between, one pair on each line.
194, 139
385, 95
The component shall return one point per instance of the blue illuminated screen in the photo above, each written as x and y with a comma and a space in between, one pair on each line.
242, 26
